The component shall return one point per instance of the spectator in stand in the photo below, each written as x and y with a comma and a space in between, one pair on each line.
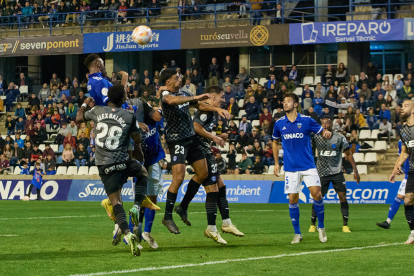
214, 72
33, 101
55, 80
379, 103
377, 79
71, 112
294, 76
75, 91
4, 165
384, 114
268, 159
40, 134
48, 152
385, 129
189, 86
252, 109
249, 93
306, 89
254, 137
40, 120
282, 73
81, 99
238, 88
366, 93
231, 156
81, 156
260, 94
36, 154
92, 156
147, 87
122, 12
233, 109
255, 8
266, 115
265, 104
266, 132
371, 119
228, 95
10, 125
69, 139
243, 77
398, 84
406, 92
146, 97
362, 79
220, 128
391, 105
84, 140
19, 112
229, 68
10, 98
19, 128
83, 129
307, 102
73, 128
290, 86
311, 113
409, 69
67, 155
372, 71
8, 151
154, 8
17, 154
378, 90
328, 76
198, 81
245, 165
341, 73
258, 166
135, 87
318, 103
44, 93
242, 141
60, 137
359, 119
271, 81
65, 91
226, 83
49, 165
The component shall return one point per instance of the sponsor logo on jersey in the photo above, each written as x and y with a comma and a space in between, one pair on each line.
283, 128
292, 136
203, 117
410, 144
327, 153
299, 125
175, 158
213, 178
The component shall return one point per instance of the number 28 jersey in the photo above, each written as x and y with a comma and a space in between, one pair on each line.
113, 128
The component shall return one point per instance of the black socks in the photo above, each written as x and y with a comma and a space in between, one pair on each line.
169, 205
223, 204
211, 207
192, 189
121, 219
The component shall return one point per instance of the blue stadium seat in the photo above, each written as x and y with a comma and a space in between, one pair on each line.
59, 160
60, 149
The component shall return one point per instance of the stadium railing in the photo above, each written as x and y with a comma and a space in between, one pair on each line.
214, 15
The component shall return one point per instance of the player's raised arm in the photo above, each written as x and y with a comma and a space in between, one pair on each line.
205, 107
124, 79
351, 160
179, 100
318, 129
80, 116
199, 129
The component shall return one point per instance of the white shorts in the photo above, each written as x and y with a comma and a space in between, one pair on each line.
401, 190
154, 180
293, 180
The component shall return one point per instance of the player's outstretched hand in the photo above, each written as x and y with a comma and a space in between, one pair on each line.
144, 127
224, 136
326, 134
224, 113
88, 100
219, 141
202, 97
392, 177
163, 88
357, 177
123, 73
276, 170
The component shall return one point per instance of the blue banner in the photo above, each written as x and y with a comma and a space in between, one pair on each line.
93, 190
51, 189
246, 191
364, 193
409, 28
122, 42
346, 31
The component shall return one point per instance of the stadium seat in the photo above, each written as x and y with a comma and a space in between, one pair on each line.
23, 136
240, 103
4, 137
362, 169
307, 80
54, 147
390, 77
364, 134
225, 148
370, 157
371, 143
374, 134
298, 91
262, 81
42, 147
72, 170
93, 170
238, 157
59, 160
61, 170
282, 170
48, 128
358, 157
317, 79
241, 113
11, 170
396, 75
357, 77
271, 169
17, 170
255, 123
60, 150
380, 146
83, 170
13, 137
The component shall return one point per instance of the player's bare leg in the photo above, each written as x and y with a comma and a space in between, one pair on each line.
409, 215
201, 174
392, 211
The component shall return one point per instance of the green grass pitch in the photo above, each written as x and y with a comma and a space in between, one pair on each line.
67, 238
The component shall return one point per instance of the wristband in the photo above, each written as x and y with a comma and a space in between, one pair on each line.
84, 105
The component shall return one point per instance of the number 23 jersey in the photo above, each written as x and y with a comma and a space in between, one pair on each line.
113, 128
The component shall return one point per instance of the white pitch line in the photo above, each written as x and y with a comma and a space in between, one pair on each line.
94, 216
234, 260
9, 235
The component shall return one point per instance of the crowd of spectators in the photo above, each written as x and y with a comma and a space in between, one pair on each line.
369, 102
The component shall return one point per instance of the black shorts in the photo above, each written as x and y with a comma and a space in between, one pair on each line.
338, 183
409, 187
187, 149
213, 173
114, 176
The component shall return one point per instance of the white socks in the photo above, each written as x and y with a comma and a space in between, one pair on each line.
212, 228
389, 221
226, 222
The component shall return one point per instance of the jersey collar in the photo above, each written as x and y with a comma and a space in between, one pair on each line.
298, 119
99, 74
